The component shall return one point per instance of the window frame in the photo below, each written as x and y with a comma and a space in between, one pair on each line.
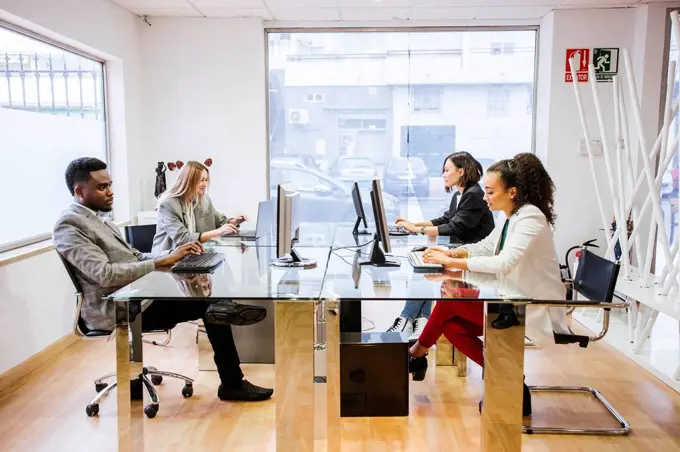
392, 29
10, 246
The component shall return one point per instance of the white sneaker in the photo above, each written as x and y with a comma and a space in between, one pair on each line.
401, 325
417, 328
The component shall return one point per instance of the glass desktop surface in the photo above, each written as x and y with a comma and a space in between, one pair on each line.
246, 273
344, 237
347, 280
310, 235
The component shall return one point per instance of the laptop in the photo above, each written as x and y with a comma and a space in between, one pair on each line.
263, 223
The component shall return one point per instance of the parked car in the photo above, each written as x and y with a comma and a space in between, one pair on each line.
360, 169
323, 198
406, 176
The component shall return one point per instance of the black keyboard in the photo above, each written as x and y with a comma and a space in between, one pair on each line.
396, 230
201, 263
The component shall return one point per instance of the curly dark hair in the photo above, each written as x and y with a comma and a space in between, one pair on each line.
534, 185
473, 169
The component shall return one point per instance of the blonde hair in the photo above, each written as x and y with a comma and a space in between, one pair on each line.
187, 182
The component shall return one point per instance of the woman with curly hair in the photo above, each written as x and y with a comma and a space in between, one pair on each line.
521, 250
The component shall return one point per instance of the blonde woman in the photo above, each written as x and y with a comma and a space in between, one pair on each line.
186, 213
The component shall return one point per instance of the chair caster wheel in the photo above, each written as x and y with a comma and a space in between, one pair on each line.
99, 387
156, 379
151, 411
187, 391
92, 410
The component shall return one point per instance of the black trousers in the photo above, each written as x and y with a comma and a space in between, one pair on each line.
166, 314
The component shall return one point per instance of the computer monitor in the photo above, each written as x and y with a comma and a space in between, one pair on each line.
359, 209
382, 235
288, 229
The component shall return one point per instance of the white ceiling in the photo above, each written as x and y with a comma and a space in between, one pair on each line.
364, 10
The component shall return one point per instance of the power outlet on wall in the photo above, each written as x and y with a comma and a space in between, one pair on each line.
595, 147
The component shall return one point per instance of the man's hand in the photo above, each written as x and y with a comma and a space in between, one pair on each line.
180, 253
227, 229
400, 219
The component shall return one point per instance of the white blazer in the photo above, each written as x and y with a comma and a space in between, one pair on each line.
529, 262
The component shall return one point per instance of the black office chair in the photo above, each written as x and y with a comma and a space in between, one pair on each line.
595, 281
151, 376
141, 236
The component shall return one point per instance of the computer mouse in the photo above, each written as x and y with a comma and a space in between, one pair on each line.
419, 248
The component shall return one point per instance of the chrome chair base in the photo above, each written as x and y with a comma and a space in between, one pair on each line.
151, 377
624, 428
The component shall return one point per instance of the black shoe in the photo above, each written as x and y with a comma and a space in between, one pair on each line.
417, 367
229, 313
136, 389
505, 321
246, 392
526, 402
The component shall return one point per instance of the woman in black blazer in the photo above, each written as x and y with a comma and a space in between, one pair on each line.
467, 221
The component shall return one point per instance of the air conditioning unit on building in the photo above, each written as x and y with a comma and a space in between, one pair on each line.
298, 116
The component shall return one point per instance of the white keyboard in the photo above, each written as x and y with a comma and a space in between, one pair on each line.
416, 260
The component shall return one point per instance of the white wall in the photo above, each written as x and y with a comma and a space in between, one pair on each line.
558, 126
205, 96
36, 303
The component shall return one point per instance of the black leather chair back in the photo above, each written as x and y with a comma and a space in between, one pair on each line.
596, 277
140, 237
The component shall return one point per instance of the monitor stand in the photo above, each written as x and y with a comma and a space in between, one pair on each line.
294, 261
357, 231
378, 258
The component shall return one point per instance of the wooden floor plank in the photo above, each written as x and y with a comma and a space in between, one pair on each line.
46, 412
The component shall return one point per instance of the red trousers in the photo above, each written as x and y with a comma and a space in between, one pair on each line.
462, 323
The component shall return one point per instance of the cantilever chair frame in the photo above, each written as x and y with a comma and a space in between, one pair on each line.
150, 375
589, 258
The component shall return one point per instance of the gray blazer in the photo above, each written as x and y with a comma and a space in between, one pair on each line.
171, 225
102, 260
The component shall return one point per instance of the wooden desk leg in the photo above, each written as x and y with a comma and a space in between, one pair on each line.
444, 352
294, 367
128, 366
460, 361
503, 376
334, 428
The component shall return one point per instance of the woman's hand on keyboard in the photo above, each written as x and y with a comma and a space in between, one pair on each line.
444, 251
435, 256
401, 223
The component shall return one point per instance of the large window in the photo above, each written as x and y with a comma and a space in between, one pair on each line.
51, 111
354, 106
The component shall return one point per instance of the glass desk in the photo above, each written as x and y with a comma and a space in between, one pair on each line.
306, 307
311, 235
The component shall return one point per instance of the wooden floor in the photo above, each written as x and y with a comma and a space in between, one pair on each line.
47, 411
